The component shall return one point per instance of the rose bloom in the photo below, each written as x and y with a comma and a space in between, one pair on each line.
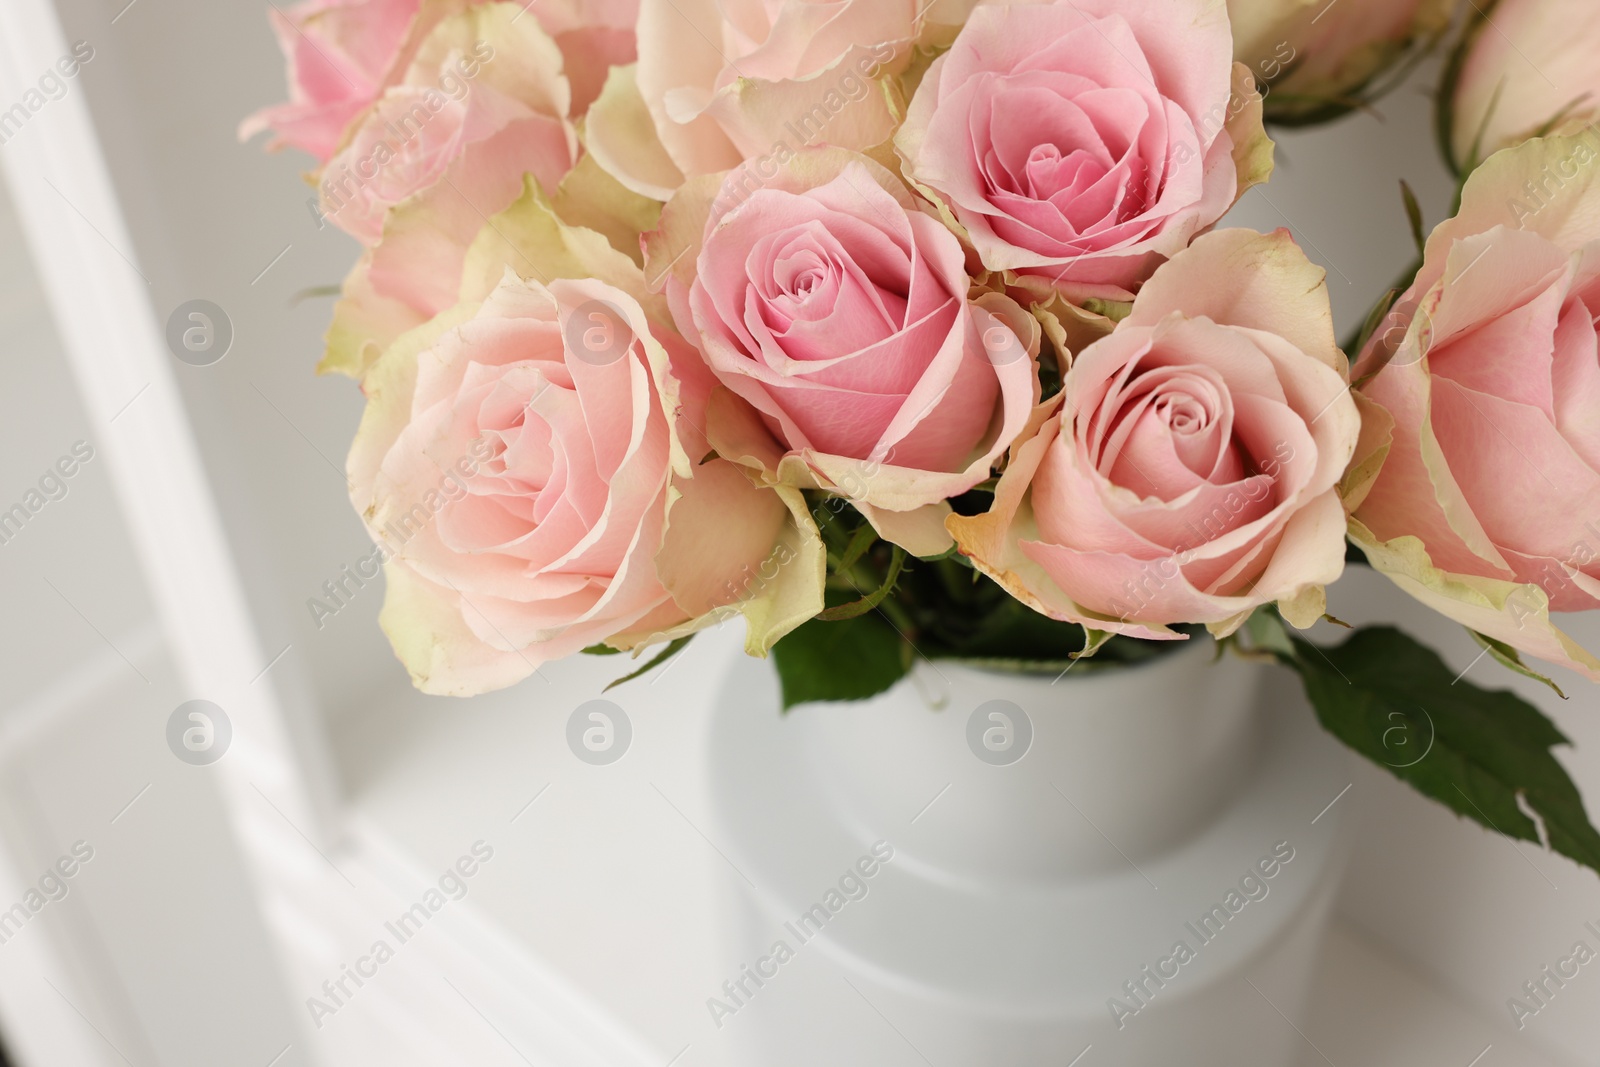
722, 81
1533, 71
446, 130
1080, 144
1188, 471
1485, 398
521, 478
594, 36
340, 55
1317, 56
835, 313
483, 107
479, 107
343, 54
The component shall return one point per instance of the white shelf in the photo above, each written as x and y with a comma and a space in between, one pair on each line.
1370, 1009
607, 881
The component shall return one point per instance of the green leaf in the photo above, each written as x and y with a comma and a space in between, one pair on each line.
872, 599
602, 650
1414, 215
1444, 104
672, 649
314, 292
850, 660
1478, 752
1356, 343
1379, 314
1511, 658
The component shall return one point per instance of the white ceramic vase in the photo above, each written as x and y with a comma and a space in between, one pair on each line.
1015, 869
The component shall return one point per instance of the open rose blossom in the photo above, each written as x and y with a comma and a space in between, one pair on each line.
835, 313
340, 54
1188, 472
482, 104
1485, 396
1080, 144
722, 81
594, 36
343, 54
479, 107
483, 107
519, 464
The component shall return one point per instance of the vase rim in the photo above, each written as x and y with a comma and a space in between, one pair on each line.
1040, 668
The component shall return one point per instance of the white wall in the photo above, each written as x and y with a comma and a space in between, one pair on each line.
155, 952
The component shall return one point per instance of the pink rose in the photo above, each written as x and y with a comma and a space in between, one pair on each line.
519, 465
449, 129
1188, 470
1532, 71
343, 54
1485, 388
481, 104
722, 81
340, 53
837, 312
1318, 57
1134, 140
594, 36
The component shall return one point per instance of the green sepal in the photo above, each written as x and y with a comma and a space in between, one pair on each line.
1511, 658
672, 649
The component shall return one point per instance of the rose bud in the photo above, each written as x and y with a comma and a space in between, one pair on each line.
1529, 73
1317, 60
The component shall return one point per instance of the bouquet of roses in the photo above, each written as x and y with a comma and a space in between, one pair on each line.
904, 328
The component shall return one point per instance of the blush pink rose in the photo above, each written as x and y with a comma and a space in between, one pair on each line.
340, 54
518, 465
343, 55
480, 106
1188, 471
1530, 70
1486, 397
722, 81
836, 311
1320, 58
594, 36
1080, 144
478, 144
